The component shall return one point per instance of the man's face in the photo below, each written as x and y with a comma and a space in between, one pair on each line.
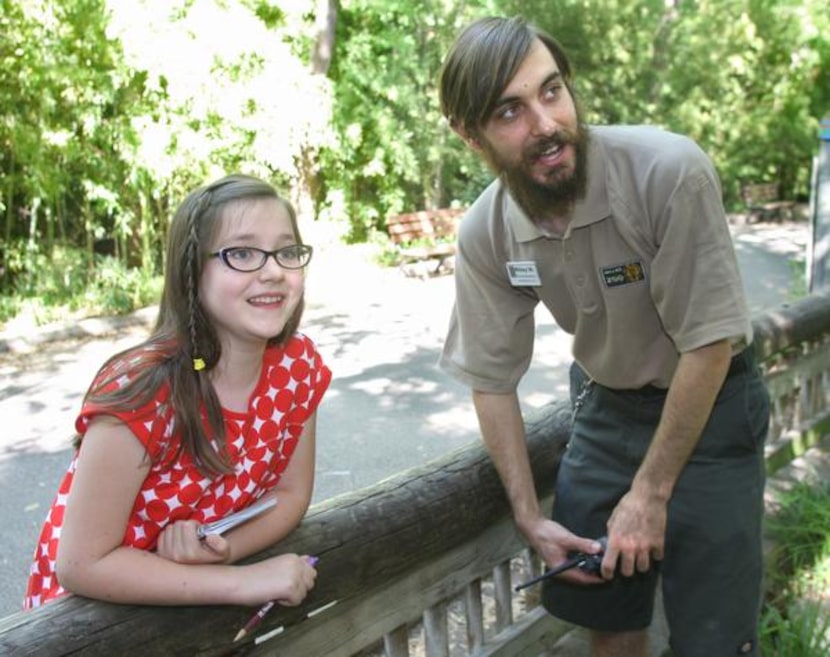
534, 138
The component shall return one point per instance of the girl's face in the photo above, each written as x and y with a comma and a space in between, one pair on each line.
249, 308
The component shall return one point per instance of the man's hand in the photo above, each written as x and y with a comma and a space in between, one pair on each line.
636, 534
554, 543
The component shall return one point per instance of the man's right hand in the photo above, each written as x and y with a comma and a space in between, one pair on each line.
554, 544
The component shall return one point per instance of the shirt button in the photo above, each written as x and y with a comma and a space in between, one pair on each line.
580, 280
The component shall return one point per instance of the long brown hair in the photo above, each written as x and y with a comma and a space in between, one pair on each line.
183, 332
482, 61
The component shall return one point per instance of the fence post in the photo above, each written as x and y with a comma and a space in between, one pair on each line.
818, 255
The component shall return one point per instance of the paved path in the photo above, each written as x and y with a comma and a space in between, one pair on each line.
389, 407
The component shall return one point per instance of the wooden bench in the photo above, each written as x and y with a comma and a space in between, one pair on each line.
763, 202
425, 236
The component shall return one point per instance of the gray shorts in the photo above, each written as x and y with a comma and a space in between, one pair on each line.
712, 567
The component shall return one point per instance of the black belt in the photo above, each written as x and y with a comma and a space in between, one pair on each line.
740, 364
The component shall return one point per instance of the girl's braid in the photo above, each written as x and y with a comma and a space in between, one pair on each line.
191, 262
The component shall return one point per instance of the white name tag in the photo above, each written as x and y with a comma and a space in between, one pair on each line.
523, 273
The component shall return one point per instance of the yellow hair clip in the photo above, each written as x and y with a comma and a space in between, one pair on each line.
199, 364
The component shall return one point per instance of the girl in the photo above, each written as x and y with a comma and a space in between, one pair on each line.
213, 412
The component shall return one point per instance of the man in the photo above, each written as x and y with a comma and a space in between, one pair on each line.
620, 232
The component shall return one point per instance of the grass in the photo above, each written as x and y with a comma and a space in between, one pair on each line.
796, 617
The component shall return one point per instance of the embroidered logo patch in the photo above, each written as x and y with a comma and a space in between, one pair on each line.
631, 272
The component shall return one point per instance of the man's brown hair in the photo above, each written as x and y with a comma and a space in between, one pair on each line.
481, 63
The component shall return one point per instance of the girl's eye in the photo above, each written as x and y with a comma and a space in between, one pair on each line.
241, 254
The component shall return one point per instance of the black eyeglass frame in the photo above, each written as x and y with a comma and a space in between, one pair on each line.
305, 252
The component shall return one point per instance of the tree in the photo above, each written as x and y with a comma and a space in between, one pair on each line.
65, 129
393, 151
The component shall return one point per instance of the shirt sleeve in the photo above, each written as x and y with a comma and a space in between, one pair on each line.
696, 281
489, 344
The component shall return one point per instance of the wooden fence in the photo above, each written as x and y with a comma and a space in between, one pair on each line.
424, 563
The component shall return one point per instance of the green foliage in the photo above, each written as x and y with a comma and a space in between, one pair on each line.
101, 134
796, 618
70, 279
115, 110
395, 152
738, 76
800, 630
801, 528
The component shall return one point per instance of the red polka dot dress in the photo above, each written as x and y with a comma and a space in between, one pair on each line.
259, 443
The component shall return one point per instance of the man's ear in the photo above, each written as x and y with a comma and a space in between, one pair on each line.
469, 139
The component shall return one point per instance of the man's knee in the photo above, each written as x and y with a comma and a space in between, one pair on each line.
619, 644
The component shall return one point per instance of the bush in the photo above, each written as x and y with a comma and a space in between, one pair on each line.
796, 618
72, 280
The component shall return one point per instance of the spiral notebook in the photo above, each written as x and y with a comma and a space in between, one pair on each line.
234, 519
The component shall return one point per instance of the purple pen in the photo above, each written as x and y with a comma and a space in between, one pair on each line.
256, 619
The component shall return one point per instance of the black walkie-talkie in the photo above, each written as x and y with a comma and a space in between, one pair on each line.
588, 563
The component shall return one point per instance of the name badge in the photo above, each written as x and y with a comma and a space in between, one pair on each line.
523, 273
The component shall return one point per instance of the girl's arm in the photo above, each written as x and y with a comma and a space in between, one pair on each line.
179, 542
293, 497
91, 561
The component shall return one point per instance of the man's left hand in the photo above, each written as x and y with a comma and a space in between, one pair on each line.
636, 534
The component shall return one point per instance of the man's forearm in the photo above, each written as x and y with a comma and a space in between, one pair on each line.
502, 430
692, 393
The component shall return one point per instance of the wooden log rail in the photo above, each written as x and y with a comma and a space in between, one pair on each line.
432, 548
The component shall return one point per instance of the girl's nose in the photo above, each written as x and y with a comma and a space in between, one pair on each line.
271, 268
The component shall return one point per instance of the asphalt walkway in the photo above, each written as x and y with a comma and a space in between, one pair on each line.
389, 407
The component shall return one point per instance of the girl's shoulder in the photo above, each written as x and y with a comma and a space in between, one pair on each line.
299, 359
298, 346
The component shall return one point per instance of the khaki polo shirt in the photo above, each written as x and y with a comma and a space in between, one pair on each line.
645, 271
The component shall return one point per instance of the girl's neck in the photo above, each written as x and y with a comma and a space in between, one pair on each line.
235, 377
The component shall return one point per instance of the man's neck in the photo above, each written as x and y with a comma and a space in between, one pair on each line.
551, 216
553, 223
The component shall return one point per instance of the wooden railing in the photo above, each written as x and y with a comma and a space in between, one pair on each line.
427, 559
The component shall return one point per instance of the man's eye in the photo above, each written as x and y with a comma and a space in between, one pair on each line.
507, 113
553, 90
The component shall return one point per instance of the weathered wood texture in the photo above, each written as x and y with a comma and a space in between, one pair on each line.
367, 541
793, 345
415, 547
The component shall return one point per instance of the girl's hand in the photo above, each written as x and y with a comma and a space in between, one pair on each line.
286, 579
179, 542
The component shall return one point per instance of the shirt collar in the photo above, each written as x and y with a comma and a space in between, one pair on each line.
593, 207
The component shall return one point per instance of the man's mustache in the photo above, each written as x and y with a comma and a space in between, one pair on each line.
547, 143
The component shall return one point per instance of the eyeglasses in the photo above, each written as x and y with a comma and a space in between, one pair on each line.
250, 258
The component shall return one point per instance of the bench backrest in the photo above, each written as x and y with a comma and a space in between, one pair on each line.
431, 224
757, 193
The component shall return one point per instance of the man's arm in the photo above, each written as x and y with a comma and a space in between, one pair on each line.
502, 429
636, 529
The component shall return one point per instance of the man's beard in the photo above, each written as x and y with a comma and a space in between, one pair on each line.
562, 187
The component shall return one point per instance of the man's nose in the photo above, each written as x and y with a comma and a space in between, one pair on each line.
543, 121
